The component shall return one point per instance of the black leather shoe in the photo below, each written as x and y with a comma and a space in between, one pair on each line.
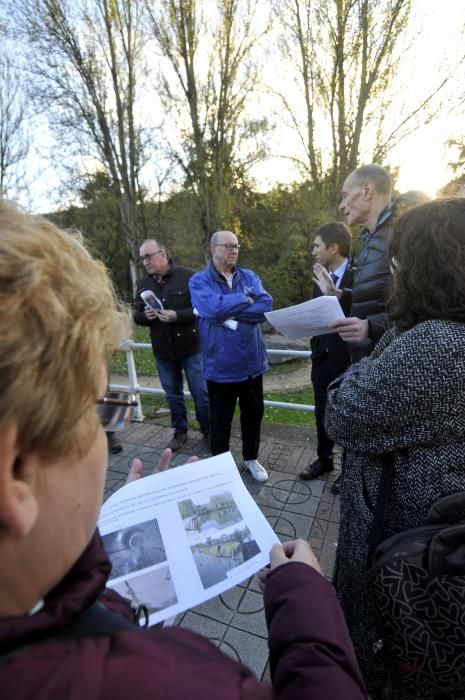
316, 468
336, 487
178, 440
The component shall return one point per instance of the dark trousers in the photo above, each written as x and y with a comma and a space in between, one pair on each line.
223, 399
322, 376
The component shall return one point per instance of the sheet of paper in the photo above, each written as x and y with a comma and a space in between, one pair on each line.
177, 538
152, 300
305, 320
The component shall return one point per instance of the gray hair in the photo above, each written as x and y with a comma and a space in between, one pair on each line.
153, 240
216, 235
375, 174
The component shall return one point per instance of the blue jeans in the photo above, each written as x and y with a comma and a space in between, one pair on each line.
170, 373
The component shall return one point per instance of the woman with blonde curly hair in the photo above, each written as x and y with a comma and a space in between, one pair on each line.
60, 634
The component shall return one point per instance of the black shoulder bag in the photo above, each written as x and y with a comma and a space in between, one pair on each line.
417, 586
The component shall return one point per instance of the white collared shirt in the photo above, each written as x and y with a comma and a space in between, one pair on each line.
340, 271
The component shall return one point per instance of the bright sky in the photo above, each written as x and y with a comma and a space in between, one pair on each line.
422, 157
438, 40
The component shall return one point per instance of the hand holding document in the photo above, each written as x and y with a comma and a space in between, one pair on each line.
182, 536
311, 318
152, 300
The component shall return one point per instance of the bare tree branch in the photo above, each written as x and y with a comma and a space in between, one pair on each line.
14, 140
86, 59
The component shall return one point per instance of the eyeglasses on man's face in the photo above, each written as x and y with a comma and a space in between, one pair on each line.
115, 408
148, 256
228, 246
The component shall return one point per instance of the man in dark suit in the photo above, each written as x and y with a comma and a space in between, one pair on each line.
330, 354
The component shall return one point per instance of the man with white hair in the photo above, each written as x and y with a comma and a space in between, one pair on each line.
366, 201
231, 302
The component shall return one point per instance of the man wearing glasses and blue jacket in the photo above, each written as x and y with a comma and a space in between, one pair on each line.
230, 303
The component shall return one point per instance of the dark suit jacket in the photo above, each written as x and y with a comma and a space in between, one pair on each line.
330, 350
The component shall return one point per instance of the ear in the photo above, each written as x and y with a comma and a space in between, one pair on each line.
334, 248
368, 190
18, 505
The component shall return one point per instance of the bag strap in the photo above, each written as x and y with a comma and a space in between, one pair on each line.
381, 501
96, 621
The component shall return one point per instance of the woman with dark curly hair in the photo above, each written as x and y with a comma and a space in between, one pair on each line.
407, 399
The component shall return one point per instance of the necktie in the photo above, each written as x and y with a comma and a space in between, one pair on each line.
334, 277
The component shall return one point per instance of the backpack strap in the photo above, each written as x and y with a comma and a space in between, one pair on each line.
96, 621
381, 501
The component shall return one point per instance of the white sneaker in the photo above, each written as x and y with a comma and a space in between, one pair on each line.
258, 472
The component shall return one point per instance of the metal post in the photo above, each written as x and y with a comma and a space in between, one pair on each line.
138, 415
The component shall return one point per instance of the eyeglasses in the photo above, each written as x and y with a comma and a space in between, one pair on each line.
148, 256
228, 246
114, 409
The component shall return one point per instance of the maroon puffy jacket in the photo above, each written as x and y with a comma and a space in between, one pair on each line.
310, 652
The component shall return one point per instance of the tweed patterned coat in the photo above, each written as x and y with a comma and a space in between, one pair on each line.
408, 397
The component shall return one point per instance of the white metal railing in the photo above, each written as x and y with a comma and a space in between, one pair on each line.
133, 384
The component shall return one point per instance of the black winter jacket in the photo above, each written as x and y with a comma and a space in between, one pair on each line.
371, 282
170, 341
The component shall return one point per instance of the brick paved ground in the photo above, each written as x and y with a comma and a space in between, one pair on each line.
235, 620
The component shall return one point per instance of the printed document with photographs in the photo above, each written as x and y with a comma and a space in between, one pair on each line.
179, 537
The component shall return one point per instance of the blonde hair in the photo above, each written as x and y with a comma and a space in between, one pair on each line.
59, 323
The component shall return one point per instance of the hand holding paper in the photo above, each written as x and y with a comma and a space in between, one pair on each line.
314, 317
352, 329
151, 300
184, 535
287, 552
